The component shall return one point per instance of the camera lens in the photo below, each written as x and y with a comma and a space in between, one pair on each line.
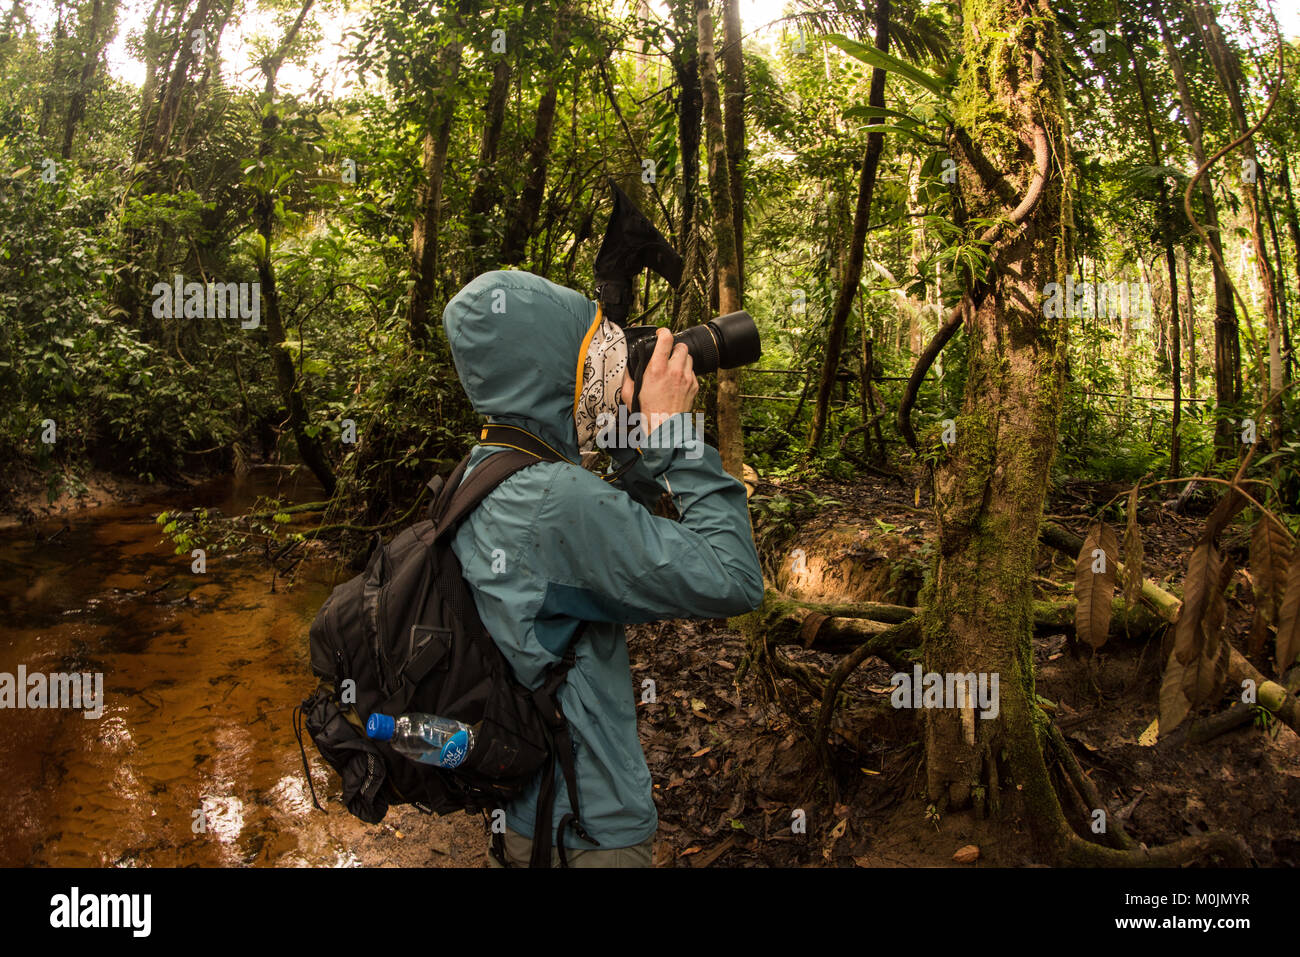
738, 341
704, 346
727, 342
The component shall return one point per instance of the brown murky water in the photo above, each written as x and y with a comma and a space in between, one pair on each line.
200, 675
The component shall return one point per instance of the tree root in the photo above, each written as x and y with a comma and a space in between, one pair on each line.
1087, 791
811, 679
904, 633
1074, 851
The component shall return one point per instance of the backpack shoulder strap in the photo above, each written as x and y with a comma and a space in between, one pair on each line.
442, 490
459, 496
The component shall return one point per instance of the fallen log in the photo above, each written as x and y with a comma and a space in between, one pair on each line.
1135, 621
834, 627
1206, 729
1165, 604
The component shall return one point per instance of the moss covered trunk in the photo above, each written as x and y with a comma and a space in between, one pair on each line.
989, 491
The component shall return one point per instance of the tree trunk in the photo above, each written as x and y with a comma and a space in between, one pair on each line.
96, 39
733, 117
1293, 227
1227, 348
1171, 266
689, 306
861, 219
484, 197
56, 70
264, 213
174, 89
978, 609
1279, 267
1228, 70
520, 225
424, 232
730, 443
1191, 321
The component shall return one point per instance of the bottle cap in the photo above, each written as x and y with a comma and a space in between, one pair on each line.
380, 727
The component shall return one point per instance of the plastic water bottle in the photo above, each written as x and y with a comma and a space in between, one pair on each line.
426, 738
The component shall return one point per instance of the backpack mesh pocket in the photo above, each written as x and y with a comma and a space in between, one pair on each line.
344, 745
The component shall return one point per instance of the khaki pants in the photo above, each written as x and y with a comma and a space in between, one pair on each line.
519, 850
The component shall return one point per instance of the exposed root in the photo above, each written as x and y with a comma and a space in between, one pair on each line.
905, 633
1089, 795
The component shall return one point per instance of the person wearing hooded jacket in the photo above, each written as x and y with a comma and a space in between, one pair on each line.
555, 546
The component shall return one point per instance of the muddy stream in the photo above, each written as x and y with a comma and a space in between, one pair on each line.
200, 673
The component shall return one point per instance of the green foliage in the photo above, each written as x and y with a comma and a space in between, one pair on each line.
160, 397
778, 516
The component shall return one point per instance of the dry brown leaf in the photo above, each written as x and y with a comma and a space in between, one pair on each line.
1270, 554
1197, 634
1203, 678
1203, 608
1288, 621
1094, 590
702, 752
1173, 703
837, 832
967, 855
708, 858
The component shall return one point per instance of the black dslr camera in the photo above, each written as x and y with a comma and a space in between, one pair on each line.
631, 244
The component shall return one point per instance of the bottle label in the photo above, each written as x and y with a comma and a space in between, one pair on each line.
453, 752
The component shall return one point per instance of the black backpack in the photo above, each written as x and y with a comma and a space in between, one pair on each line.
407, 635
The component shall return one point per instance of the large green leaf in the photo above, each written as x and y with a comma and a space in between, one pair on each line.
902, 130
870, 55
879, 112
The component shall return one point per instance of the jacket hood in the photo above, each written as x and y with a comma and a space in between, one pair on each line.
516, 340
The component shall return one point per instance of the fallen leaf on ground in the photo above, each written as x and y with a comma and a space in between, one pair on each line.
967, 855
1148, 737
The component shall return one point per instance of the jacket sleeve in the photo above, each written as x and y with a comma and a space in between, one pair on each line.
608, 559
637, 482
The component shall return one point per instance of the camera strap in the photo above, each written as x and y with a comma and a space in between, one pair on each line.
513, 437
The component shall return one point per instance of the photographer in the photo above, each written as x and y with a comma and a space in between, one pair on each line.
555, 555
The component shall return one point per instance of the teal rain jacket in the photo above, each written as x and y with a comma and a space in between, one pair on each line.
555, 544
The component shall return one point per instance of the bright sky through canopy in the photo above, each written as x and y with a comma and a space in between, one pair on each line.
335, 19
